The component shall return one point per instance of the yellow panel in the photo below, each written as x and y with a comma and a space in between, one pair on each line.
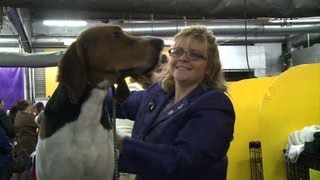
51, 75
246, 96
165, 50
51, 83
291, 103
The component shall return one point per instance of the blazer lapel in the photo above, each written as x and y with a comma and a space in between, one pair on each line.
155, 105
177, 107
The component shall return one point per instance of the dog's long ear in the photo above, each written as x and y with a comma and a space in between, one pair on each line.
122, 91
72, 72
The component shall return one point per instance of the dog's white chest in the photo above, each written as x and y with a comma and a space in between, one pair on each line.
81, 150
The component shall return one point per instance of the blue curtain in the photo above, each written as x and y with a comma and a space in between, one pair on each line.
11, 86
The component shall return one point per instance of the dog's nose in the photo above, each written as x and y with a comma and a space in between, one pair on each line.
158, 43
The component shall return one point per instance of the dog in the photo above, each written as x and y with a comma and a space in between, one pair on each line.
75, 136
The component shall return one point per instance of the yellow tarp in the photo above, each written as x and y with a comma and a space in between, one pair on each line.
246, 96
291, 103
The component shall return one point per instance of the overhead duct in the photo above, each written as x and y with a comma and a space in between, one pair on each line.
188, 8
227, 31
305, 39
35, 60
170, 28
7, 41
219, 28
60, 42
45, 42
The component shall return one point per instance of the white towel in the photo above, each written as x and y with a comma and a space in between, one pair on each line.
297, 139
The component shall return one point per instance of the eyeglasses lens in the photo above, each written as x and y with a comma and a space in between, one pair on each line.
192, 54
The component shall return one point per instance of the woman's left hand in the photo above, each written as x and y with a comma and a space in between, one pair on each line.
120, 138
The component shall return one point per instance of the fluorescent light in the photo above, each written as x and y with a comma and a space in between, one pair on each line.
61, 23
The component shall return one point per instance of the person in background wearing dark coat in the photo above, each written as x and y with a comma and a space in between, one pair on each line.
5, 121
184, 123
13, 113
5, 149
26, 133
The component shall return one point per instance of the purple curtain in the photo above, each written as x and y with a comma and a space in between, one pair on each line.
11, 86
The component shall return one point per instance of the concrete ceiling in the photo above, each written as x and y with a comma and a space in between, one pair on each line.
177, 8
22, 19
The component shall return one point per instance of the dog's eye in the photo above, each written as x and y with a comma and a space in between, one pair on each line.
117, 34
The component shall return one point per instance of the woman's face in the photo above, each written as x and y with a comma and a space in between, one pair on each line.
185, 70
156, 74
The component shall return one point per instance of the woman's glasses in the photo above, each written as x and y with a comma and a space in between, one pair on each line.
192, 54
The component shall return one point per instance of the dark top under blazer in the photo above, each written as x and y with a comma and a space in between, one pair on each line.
187, 141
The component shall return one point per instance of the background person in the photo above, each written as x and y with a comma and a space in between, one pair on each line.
5, 149
12, 113
6, 122
141, 83
26, 133
124, 126
36, 109
184, 124
154, 76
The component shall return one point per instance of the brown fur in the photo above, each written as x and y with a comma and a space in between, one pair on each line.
100, 53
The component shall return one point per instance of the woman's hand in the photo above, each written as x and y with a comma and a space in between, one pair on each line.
120, 137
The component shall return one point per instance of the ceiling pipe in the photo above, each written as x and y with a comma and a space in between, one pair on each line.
170, 28
12, 41
219, 28
60, 42
199, 9
43, 42
35, 60
303, 39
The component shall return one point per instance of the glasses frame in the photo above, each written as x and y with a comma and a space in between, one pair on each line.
201, 57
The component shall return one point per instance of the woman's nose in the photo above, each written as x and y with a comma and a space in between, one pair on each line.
184, 57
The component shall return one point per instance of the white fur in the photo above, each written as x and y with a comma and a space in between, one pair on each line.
81, 150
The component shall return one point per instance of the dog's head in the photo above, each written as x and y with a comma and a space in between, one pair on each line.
106, 53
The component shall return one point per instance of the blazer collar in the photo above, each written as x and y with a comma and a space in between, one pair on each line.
175, 108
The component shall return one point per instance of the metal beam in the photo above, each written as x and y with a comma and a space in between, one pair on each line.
15, 19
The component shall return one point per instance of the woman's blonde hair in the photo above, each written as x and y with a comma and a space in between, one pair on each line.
214, 77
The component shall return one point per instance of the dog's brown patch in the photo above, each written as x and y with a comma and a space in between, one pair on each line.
101, 53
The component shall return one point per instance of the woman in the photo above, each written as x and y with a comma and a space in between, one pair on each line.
26, 133
184, 124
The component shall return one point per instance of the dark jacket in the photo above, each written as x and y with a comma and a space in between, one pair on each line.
188, 141
5, 148
6, 124
26, 131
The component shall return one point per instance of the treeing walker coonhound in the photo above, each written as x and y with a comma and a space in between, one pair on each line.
75, 138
